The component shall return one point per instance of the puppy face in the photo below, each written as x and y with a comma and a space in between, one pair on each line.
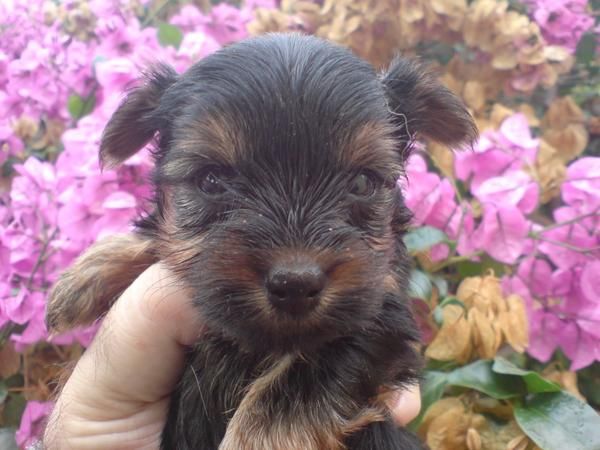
276, 194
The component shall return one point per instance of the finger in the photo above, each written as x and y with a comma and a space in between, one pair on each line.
405, 405
139, 351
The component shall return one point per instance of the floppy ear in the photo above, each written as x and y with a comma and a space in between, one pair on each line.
423, 107
135, 122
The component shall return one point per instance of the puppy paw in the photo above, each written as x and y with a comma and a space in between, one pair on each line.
87, 290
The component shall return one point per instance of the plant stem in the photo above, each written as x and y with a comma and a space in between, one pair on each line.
573, 248
155, 13
566, 222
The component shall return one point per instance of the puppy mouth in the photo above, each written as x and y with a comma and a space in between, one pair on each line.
289, 312
288, 296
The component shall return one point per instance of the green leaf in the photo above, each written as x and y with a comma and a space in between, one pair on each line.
438, 313
468, 269
589, 383
422, 238
440, 284
419, 285
432, 389
474, 268
480, 376
79, 107
533, 381
7, 439
558, 421
453, 301
16, 381
444, 366
586, 49
169, 35
3, 391
13, 409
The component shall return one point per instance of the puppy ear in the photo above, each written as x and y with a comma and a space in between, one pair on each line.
423, 107
135, 122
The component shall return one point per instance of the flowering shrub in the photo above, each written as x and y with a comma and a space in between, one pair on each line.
505, 237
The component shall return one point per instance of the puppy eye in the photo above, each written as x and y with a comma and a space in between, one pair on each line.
213, 180
363, 186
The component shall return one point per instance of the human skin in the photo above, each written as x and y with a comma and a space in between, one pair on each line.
118, 394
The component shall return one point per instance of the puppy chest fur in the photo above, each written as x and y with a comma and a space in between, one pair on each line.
277, 206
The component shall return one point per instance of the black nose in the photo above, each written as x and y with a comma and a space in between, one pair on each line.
294, 287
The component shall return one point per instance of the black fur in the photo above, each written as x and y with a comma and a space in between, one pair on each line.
344, 374
276, 118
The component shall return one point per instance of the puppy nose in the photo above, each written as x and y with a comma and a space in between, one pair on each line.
295, 287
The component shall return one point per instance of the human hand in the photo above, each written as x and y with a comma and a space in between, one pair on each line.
118, 394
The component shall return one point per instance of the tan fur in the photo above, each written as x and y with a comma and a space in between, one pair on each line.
346, 276
390, 283
382, 244
369, 415
253, 428
316, 427
86, 291
208, 139
228, 142
372, 145
179, 254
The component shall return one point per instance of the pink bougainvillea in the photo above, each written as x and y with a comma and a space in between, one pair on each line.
556, 266
32, 422
562, 22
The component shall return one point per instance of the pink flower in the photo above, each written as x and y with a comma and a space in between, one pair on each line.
590, 282
33, 308
445, 214
80, 156
416, 163
83, 336
497, 152
189, 19
422, 194
95, 207
525, 80
10, 145
227, 23
483, 162
561, 312
268, 4
582, 187
21, 307
116, 74
223, 24
467, 241
195, 46
502, 233
580, 347
4, 256
566, 245
562, 22
536, 273
4, 294
545, 336
32, 422
515, 129
514, 188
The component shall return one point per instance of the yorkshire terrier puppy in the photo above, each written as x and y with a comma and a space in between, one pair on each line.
276, 203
